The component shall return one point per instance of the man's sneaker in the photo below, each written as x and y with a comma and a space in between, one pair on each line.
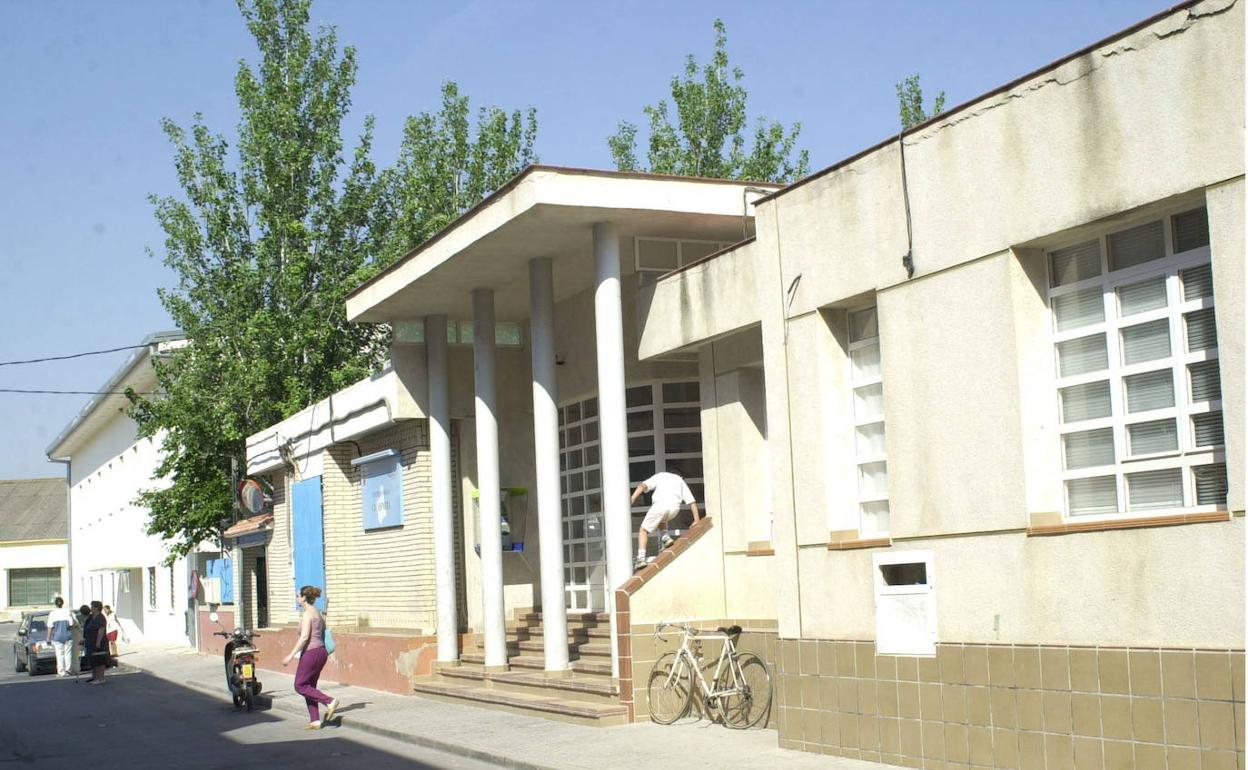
638, 562
667, 540
331, 710
312, 726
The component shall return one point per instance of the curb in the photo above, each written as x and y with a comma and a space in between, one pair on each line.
423, 741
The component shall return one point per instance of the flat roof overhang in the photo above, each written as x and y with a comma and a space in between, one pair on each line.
547, 212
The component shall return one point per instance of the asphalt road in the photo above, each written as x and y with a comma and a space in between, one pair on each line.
136, 720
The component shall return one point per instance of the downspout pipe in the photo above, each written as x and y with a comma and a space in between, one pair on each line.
69, 523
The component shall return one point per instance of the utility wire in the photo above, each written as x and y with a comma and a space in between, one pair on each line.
73, 392
75, 355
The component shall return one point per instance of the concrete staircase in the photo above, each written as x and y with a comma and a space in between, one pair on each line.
585, 696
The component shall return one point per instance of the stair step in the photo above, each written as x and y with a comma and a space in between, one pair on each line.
462, 672
592, 666
528, 661
573, 617
581, 712
576, 649
513, 646
595, 649
595, 689
575, 634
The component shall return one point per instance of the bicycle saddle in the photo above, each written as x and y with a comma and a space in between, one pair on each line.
733, 630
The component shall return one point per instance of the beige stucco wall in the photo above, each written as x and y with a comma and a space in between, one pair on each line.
1065, 148
967, 362
952, 402
576, 344
691, 587
1178, 588
700, 302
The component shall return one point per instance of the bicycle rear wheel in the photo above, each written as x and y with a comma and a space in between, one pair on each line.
669, 691
751, 702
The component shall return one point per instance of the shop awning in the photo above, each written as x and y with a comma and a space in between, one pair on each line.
253, 530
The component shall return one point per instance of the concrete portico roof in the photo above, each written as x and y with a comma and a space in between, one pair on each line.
546, 212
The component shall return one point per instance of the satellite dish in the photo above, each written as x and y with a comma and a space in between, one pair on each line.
252, 497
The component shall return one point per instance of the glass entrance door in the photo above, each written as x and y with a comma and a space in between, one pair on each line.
664, 433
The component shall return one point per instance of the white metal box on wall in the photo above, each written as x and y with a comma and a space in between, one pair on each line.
905, 603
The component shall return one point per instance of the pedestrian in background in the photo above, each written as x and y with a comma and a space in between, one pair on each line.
310, 649
113, 628
95, 642
61, 634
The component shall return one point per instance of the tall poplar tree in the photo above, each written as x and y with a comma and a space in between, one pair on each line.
266, 239
445, 168
910, 102
708, 136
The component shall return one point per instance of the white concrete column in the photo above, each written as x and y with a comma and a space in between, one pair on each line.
440, 470
487, 478
546, 456
613, 433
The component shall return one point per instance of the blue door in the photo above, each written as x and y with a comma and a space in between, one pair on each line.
309, 537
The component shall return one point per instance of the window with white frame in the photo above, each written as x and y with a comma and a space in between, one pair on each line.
867, 381
655, 256
664, 433
1136, 353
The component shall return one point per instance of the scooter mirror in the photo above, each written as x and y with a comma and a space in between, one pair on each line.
214, 617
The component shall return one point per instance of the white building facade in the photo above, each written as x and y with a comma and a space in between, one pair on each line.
111, 558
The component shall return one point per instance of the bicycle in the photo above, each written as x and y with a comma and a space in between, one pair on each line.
740, 689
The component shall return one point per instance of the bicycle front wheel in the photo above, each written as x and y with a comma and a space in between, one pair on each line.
669, 691
749, 702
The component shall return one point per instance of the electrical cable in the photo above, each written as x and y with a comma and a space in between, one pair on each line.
73, 392
74, 355
907, 261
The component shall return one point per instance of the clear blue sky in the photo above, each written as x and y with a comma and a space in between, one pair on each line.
85, 85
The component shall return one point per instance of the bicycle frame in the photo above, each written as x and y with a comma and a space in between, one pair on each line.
685, 656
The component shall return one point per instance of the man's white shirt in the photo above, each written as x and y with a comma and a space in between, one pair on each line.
669, 490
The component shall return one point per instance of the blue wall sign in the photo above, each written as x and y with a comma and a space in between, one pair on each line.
381, 494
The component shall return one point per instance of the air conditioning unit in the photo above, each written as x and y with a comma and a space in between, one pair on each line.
212, 589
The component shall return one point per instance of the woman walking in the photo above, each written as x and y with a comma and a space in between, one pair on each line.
113, 626
95, 642
312, 656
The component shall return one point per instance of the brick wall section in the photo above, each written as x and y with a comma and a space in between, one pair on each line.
382, 578
1014, 706
279, 562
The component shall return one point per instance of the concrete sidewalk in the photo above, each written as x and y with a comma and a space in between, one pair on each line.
510, 740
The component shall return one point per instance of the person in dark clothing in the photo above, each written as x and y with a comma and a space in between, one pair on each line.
95, 642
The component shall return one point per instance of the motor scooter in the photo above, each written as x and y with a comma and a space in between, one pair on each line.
240, 665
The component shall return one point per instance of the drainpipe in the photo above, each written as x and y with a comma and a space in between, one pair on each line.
69, 523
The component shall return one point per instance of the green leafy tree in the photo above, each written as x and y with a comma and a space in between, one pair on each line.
708, 136
444, 168
266, 244
264, 248
910, 102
